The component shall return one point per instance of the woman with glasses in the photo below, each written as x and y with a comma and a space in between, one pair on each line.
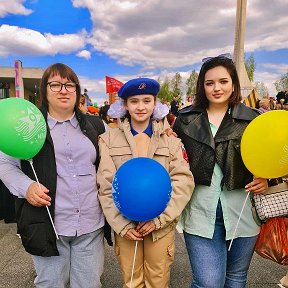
211, 130
66, 168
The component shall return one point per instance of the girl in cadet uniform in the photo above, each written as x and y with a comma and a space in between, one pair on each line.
139, 134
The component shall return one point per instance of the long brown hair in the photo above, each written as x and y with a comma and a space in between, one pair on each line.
63, 71
200, 99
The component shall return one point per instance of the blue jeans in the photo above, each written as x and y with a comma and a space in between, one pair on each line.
80, 262
213, 266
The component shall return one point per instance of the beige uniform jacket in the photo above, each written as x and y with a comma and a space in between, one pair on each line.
117, 146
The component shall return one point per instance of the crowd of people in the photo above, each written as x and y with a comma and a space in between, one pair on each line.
270, 103
82, 154
279, 102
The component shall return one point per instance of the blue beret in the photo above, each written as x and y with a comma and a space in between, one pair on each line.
139, 86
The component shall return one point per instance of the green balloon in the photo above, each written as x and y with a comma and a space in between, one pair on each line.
22, 128
95, 104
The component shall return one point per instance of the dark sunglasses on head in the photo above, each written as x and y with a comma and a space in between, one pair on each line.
221, 56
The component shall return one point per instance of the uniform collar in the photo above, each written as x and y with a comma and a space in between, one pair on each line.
147, 131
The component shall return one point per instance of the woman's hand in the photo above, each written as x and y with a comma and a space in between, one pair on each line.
132, 234
169, 132
258, 185
145, 228
36, 196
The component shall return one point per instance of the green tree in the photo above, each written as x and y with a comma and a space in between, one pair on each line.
282, 84
261, 89
191, 83
250, 66
165, 94
176, 85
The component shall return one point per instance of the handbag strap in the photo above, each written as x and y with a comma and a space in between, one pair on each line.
277, 188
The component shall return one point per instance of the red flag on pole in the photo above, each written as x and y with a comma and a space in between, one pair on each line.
112, 85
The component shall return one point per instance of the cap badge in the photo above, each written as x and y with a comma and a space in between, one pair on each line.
142, 86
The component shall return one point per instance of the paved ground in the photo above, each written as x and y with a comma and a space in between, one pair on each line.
16, 268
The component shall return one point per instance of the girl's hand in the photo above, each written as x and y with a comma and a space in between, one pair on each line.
133, 235
258, 185
145, 228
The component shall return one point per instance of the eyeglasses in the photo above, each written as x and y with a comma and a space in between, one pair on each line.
221, 56
56, 86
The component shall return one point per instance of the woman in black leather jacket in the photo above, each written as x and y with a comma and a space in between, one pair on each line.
211, 131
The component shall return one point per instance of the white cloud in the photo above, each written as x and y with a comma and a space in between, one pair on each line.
268, 79
280, 68
66, 43
270, 73
13, 7
15, 40
166, 35
84, 54
95, 89
22, 41
169, 34
91, 85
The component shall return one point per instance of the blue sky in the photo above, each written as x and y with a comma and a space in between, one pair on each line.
130, 38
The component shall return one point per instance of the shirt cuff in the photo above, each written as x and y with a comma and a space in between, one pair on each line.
157, 223
126, 228
21, 191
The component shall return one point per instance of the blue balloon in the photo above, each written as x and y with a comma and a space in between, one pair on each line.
141, 189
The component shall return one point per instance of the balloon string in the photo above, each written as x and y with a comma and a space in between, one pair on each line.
238, 221
134, 258
51, 220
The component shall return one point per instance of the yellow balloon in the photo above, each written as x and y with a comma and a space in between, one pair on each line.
264, 145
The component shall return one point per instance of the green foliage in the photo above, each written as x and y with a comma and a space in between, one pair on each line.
165, 94
176, 84
173, 87
282, 84
191, 83
250, 66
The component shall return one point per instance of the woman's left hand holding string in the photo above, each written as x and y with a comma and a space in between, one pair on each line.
258, 185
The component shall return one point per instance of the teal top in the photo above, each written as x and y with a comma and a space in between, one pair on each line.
198, 218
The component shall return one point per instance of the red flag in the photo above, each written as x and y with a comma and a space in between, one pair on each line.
112, 85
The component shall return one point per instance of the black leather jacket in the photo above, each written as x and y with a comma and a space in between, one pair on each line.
203, 151
33, 223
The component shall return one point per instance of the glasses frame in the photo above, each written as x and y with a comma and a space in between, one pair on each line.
221, 56
62, 84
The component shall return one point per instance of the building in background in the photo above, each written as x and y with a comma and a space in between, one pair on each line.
22, 82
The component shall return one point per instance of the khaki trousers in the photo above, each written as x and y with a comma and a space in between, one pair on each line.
153, 261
